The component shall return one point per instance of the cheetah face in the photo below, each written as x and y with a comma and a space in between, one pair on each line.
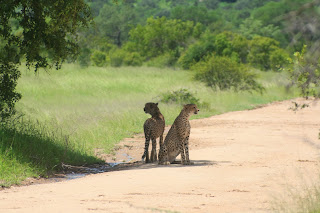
191, 108
150, 107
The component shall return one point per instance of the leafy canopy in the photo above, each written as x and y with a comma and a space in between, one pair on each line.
43, 33
160, 35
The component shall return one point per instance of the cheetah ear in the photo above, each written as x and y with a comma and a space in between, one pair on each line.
184, 106
157, 104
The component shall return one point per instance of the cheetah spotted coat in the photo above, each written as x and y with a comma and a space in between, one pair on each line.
177, 140
153, 129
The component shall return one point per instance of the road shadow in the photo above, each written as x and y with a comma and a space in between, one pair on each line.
78, 171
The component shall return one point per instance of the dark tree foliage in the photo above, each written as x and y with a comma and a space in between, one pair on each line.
193, 13
115, 22
41, 33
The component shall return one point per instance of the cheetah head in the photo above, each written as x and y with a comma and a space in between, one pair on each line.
191, 108
151, 108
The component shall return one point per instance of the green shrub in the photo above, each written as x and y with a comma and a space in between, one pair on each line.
224, 73
182, 97
117, 57
98, 58
165, 60
132, 59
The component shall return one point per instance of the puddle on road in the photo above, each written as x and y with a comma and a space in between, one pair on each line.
74, 176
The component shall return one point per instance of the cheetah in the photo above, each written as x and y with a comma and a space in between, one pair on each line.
177, 139
153, 129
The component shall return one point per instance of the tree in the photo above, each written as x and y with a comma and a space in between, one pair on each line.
43, 33
267, 14
223, 44
115, 22
195, 53
264, 52
160, 35
303, 27
193, 13
252, 27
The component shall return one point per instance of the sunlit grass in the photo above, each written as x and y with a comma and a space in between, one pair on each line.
97, 107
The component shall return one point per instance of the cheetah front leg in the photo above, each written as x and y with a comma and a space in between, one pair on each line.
163, 155
181, 149
154, 150
186, 147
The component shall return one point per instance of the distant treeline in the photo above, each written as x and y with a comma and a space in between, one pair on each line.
181, 33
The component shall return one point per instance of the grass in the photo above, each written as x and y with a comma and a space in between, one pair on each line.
29, 149
97, 107
302, 198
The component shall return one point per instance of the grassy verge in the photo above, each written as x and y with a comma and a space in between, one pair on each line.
29, 149
97, 107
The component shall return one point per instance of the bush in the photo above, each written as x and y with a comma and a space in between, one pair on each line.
165, 60
98, 58
224, 73
117, 57
132, 59
182, 97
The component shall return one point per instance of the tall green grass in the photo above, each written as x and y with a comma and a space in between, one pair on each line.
97, 107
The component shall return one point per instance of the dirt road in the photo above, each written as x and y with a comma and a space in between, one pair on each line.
244, 161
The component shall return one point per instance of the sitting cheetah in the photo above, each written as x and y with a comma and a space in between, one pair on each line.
177, 140
153, 128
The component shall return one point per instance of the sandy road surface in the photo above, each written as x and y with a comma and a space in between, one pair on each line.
244, 162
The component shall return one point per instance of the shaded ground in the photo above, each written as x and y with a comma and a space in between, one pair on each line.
244, 161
